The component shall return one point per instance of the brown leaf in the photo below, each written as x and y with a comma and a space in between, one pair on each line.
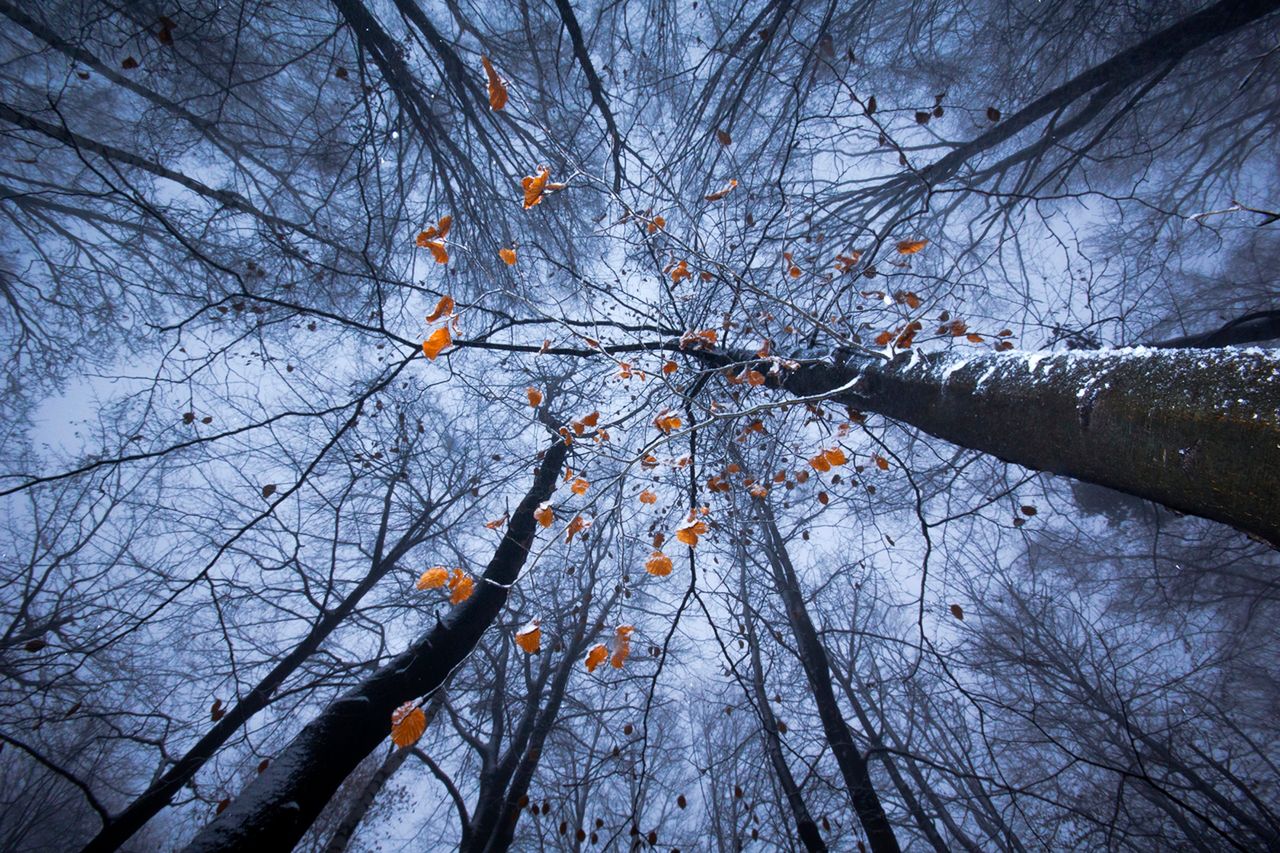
724, 137
957, 611
268, 490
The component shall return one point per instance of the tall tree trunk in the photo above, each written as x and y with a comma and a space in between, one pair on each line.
817, 669
805, 826
1196, 430
275, 809
123, 825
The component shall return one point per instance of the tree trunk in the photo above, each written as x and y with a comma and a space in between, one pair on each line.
122, 826
805, 826
369, 791
817, 669
276, 808
1196, 430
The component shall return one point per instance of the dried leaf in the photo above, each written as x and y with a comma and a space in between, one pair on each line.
408, 722
443, 307
508, 256
436, 342
957, 611
719, 194
217, 712
461, 585
648, 497
881, 462
268, 490
910, 247
534, 187
596, 656
580, 486
690, 529
669, 368
529, 638
497, 88
534, 395
543, 515
723, 137
658, 564
993, 114
434, 577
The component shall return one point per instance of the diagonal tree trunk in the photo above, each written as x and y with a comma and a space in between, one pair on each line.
363, 801
275, 809
817, 670
1195, 430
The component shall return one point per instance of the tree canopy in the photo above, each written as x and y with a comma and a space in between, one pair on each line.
663, 425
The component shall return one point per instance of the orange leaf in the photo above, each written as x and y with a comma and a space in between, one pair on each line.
820, 463
648, 497
759, 490
534, 395
667, 422
656, 223
575, 527
973, 338
835, 456
443, 307
689, 531
443, 226
407, 725
497, 522
438, 250
884, 338
580, 486
755, 377
658, 564
436, 576
461, 586
669, 368
508, 255
719, 194
881, 462
544, 515
497, 89
529, 638
910, 247
534, 187
596, 656
435, 344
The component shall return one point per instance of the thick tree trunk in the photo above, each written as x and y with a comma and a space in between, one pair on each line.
1196, 430
360, 806
817, 670
122, 826
275, 810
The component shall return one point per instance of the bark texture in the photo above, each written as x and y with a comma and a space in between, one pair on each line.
274, 811
1197, 430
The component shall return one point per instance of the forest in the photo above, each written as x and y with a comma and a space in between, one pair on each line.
680, 425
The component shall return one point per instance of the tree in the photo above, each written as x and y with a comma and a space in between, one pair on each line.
878, 394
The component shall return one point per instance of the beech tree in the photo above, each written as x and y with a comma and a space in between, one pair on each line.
812, 425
